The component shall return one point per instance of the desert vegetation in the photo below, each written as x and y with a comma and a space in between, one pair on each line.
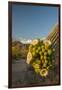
19, 50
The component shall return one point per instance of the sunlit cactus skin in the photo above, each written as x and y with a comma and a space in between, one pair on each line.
54, 37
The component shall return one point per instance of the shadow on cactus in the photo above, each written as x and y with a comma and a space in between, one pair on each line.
40, 56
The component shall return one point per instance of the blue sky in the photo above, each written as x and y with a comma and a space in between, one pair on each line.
31, 22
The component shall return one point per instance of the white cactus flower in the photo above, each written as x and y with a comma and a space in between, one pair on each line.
47, 42
34, 42
44, 72
29, 57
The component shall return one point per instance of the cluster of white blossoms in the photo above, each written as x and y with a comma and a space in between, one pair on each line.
40, 56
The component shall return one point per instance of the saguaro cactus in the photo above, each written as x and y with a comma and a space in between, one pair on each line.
54, 37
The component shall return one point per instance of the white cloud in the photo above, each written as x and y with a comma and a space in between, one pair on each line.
24, 41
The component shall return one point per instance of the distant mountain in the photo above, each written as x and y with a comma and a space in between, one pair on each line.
14, 43
20, 49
